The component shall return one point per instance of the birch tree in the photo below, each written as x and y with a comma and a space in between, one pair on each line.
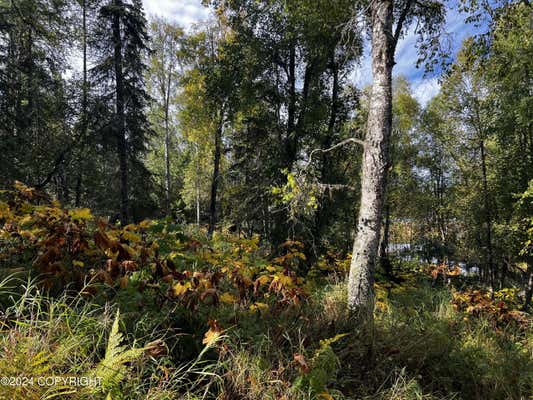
166, 67
388, 20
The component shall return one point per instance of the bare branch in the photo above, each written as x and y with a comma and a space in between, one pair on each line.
59, 160
334, 186
346, 141
401, 21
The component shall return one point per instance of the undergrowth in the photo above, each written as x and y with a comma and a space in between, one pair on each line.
159, 311
420, 347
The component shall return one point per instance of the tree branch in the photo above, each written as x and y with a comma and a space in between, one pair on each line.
335, 186
59, 160
399, 24
346, 141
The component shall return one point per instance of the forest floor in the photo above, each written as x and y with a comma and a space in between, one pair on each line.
159, 311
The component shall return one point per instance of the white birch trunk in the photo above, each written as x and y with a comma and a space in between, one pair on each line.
374, 165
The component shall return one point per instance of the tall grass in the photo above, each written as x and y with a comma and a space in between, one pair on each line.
420, 348
68, 336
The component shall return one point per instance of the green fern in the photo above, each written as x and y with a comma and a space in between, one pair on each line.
323, 365
112, 369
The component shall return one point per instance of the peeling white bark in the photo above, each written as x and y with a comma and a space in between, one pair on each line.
374, 165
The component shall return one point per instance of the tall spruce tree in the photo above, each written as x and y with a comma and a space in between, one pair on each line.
121, 46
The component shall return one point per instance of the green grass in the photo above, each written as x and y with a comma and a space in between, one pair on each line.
419, 347
69, 336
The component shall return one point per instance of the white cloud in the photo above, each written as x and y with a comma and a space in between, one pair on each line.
425, 89
184, 12
189, 12
362, 73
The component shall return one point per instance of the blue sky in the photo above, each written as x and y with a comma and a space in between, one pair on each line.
188, 12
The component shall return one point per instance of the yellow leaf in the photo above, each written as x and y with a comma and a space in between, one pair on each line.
145, 223
26, 220
181, 288
80, 213
326, 396
381, 305
283, 279
173, 255
78, 263
210, 337
228, 298
213, 333
263, 280
259, 307
4, 210
27, 234
130, 227
330, 341
132, 237
111, 254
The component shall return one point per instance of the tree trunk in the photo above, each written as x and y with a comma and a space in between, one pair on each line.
383, 253
321, 215
167, 144
488, 216
503, 273
216, 177
79, 177
374, 165
529, 289
197, 184
291, 110
122, 146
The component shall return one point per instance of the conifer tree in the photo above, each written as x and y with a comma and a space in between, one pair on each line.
121, 45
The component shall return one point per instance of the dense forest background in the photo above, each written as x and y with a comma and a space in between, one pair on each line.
250, 125
225, 124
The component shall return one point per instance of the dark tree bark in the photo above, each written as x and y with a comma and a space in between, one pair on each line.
84, 121
383, 254
122, 146
374, 164
506, 265
291, 109
304, 103
320, 216
488, 216
529, 288
215, 179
